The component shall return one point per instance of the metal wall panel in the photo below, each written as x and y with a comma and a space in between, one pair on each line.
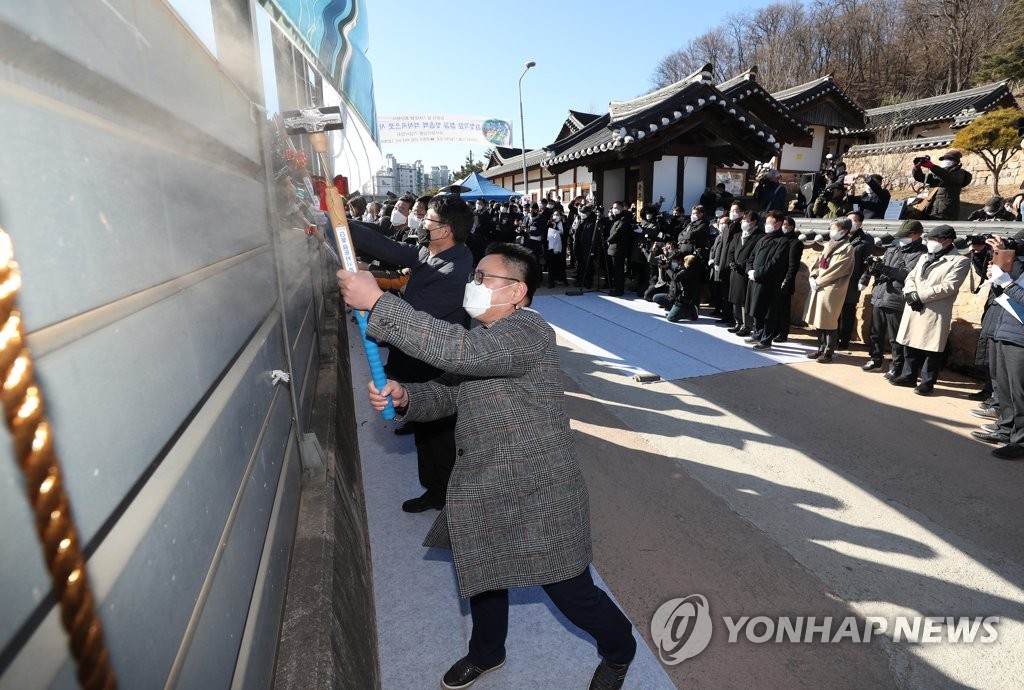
158, 302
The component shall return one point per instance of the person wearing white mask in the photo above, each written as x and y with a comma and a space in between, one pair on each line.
890, 274
518, 514
788, 287
620, 245
554, 253
396, 225
766, 269
437, 270
741, 247
863, 248
945, 181
728, 227
829, 281
929, 292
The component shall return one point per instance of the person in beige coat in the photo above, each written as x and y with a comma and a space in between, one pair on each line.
830, 278
929, 293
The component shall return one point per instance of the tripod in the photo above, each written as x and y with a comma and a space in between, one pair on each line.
598, 236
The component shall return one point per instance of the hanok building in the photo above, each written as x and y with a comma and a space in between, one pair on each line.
667, 143
927, 123
824, 107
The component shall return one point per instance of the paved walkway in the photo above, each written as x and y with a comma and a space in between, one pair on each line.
769, 484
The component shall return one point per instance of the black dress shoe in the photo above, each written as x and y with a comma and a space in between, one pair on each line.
979, 396
990, 437
1011, 451
609, 676
404, 429
871, 365
743, 332
815, 354
889, 375
751, 339
464, 673
906, 381
924, 389
763, 346
421, 504
733, 328
994, 428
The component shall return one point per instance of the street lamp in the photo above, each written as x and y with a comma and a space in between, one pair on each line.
522, 129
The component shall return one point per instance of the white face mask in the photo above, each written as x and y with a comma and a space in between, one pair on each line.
616, 211
367, 217
733, 215
694, 217
946, 163
786, 229
904, 241
772, 228
414, 223
934, 246
648, 217
398, 218
550, 206
745, 226
477, 298
856, 226
719, 213
836, 234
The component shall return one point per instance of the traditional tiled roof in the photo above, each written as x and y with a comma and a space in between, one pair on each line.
514, 163
628, 124
803, 99
744, 88
918, 144
961, 106
581, 119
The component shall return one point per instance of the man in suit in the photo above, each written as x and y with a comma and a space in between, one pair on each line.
930, 291
518, 512
620, 245
437, 278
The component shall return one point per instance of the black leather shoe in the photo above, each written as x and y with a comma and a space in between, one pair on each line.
751, 339
905, 381
743, 332
421, 504
871, 365
815, 354
985, 412
979, 396
464, 673
762, 346
924, 389
404, 430
990, 437
609, 676
1011, 451
890, 375
733, 328
994, 428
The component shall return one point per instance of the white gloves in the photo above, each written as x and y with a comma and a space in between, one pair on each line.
814, 284
750, 274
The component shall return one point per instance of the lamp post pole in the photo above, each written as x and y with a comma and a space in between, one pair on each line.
522, 127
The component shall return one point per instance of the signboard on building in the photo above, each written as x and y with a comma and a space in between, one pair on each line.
444, 129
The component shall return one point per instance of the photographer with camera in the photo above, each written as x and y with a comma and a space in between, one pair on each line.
833, 202
890, 272
993, 210
770, 193
874, 200
945, 181
929, 292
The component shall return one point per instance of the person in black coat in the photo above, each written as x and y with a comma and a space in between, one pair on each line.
695, 237
794, 252
683, 295
587, 248
887, 299
620, 244
874, 200
766, 269
863, 247
741, 246
728, 228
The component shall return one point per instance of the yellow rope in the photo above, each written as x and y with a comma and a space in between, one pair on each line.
33, 449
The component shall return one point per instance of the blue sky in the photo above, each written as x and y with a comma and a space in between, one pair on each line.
466, 58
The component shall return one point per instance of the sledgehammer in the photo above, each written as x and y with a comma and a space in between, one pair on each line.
314, 122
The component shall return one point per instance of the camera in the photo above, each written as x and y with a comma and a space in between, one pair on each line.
921, 159
977, 239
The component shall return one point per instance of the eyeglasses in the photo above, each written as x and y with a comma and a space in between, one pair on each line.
478, 277
435, 222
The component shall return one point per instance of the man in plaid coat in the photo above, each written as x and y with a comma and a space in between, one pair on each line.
517, 513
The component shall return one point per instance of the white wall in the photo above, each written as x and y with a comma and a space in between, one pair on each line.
666, 173
803, 158
695, 180
614, 186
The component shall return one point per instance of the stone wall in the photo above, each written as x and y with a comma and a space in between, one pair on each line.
896, 167
967, 310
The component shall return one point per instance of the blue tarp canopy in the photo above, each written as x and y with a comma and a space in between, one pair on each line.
482, 188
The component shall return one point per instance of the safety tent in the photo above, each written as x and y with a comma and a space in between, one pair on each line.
482, 188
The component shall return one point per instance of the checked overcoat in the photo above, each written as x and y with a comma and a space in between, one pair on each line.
517, 512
